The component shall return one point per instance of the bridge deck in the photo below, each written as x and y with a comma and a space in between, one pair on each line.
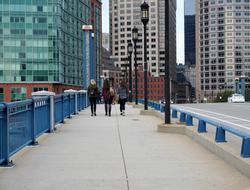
118, 153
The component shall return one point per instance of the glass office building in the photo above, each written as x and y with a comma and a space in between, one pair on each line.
97, 9
41, 44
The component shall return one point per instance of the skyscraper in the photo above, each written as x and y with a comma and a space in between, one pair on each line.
124, 15
189, 20
41, 46
222, 44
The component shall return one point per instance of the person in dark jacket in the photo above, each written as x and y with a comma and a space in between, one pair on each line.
93, 94
123, 95
108, 95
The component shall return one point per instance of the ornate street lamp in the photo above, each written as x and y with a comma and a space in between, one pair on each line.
130, 51
145, 19
135, 39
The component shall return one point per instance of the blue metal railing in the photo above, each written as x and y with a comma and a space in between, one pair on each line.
22, 122
221, 128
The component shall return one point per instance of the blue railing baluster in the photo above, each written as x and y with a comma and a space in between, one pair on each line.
202, 127
183, 117
174, 113
245, 147
189, 121
220, 135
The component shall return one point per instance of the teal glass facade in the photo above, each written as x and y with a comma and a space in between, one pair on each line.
41, 40
98, 42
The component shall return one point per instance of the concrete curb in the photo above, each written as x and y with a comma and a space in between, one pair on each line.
222, 150
138, 106
171, 128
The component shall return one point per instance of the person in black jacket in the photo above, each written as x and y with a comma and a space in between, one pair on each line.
93, 94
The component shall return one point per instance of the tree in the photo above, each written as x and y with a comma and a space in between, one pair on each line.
223, 96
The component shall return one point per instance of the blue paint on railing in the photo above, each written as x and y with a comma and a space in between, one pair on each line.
72, 104
59, 109
22, 122
66, 106
183, 117
220, 135
2, 125
245, 150
202, 128
189, 121
42, 116
174, 113
221, 129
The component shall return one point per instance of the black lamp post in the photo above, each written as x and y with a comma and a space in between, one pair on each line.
145, 19
130, 50
167, 63
135, 39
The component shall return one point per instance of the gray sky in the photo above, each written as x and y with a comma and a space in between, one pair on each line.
179, 26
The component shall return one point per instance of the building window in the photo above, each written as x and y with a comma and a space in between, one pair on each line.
1, 94
18, 93
36, 89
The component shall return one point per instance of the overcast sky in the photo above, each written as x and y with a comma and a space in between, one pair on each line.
179, 26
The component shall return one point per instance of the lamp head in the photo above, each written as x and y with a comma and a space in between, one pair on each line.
135, 34
130, 48
145, 13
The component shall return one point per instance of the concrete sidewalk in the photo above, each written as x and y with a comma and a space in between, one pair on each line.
118, 153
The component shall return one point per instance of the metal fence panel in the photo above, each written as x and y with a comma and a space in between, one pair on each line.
20, 125
22, 122
72, 103
42, 116
58, 109
66, 106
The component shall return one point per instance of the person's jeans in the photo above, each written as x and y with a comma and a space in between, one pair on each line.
93, 104
108, 106
122, 104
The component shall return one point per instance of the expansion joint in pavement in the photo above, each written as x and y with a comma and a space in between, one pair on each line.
121, 146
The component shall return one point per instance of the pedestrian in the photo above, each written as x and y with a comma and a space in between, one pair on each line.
108, 96
123, 94
93, 95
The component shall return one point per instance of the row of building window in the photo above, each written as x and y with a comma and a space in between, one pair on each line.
19, 93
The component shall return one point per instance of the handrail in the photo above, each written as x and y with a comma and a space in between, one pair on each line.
21, 123
220, 135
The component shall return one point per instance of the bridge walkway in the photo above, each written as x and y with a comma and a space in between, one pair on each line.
118, 153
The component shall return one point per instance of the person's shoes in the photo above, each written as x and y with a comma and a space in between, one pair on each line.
106, 114
92, 114
121, 113
95, 114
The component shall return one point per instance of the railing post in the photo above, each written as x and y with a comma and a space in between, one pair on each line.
6, 146
189, 120
174, 113
245, 148
76, 104
202, 127
69, 116
183, 117
33, 128
220, 135
52, 113
62, 108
